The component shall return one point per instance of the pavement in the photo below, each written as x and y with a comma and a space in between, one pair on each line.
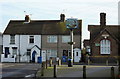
92, 71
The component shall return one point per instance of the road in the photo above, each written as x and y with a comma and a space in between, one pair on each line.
19, 70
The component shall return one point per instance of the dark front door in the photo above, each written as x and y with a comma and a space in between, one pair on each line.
6, 52
33, 56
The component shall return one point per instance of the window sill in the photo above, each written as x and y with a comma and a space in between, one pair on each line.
31, 43
12, 43
52, 43
105, 54
65, 42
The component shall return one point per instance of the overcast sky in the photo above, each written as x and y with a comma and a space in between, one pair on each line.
87, 10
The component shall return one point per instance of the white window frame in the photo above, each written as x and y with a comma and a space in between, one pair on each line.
14, 51
12, 39
28, 52
105, 46
31, 37
65, 39
52, 53
52, 39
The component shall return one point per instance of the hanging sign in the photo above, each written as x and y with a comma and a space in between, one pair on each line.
72, 23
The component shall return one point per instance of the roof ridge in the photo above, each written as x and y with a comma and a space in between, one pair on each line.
36, 20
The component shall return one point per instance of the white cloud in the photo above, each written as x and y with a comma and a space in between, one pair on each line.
67, 1
87, 10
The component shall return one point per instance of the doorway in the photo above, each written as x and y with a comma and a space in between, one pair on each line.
33, 56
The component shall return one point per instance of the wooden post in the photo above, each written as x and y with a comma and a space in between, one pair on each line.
46, 64
88, 61
59, 62
55, 71
117, 62
107, 62
50, 62
112, 73
42, 69
84, 71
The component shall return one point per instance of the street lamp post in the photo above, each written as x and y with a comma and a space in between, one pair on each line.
71, 46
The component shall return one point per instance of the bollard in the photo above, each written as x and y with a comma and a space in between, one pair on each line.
46, 64
59, 62
117, 62
107, 62
50, 62
112, 73
42, 69
88, 61
55, 71
84, 71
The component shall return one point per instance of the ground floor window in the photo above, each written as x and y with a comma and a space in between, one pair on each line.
28, 52
105, 46
52, 53
14, 51
66, 53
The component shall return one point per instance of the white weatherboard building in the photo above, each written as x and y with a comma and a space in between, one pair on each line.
17, 48
1, 44
19, 43
0, 38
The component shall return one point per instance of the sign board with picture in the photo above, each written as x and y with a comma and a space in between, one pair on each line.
72, 23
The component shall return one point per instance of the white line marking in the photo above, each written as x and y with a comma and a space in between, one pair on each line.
32, 75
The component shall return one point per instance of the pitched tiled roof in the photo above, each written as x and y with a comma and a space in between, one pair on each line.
95, 30
44, 27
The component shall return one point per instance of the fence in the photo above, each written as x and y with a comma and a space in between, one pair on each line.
103, 59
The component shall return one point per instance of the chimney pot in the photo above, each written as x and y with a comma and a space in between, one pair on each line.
27, 18
62, 17
102, 19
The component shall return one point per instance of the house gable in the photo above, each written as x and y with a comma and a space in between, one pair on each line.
105, 34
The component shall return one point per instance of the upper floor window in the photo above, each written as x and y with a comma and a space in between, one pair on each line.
31, 39
105, 47
12, 39
65, 39
52, 39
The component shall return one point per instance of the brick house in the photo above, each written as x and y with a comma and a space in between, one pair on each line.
28, 39
104, 41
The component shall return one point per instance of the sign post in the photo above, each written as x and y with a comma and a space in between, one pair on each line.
71, 23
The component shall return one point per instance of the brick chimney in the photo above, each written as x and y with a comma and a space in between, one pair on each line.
62, 17
27, 18
102, 19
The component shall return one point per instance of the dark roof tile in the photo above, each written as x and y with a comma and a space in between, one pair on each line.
35, 27
96, 30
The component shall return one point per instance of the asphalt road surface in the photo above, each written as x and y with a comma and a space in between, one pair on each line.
19, 70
